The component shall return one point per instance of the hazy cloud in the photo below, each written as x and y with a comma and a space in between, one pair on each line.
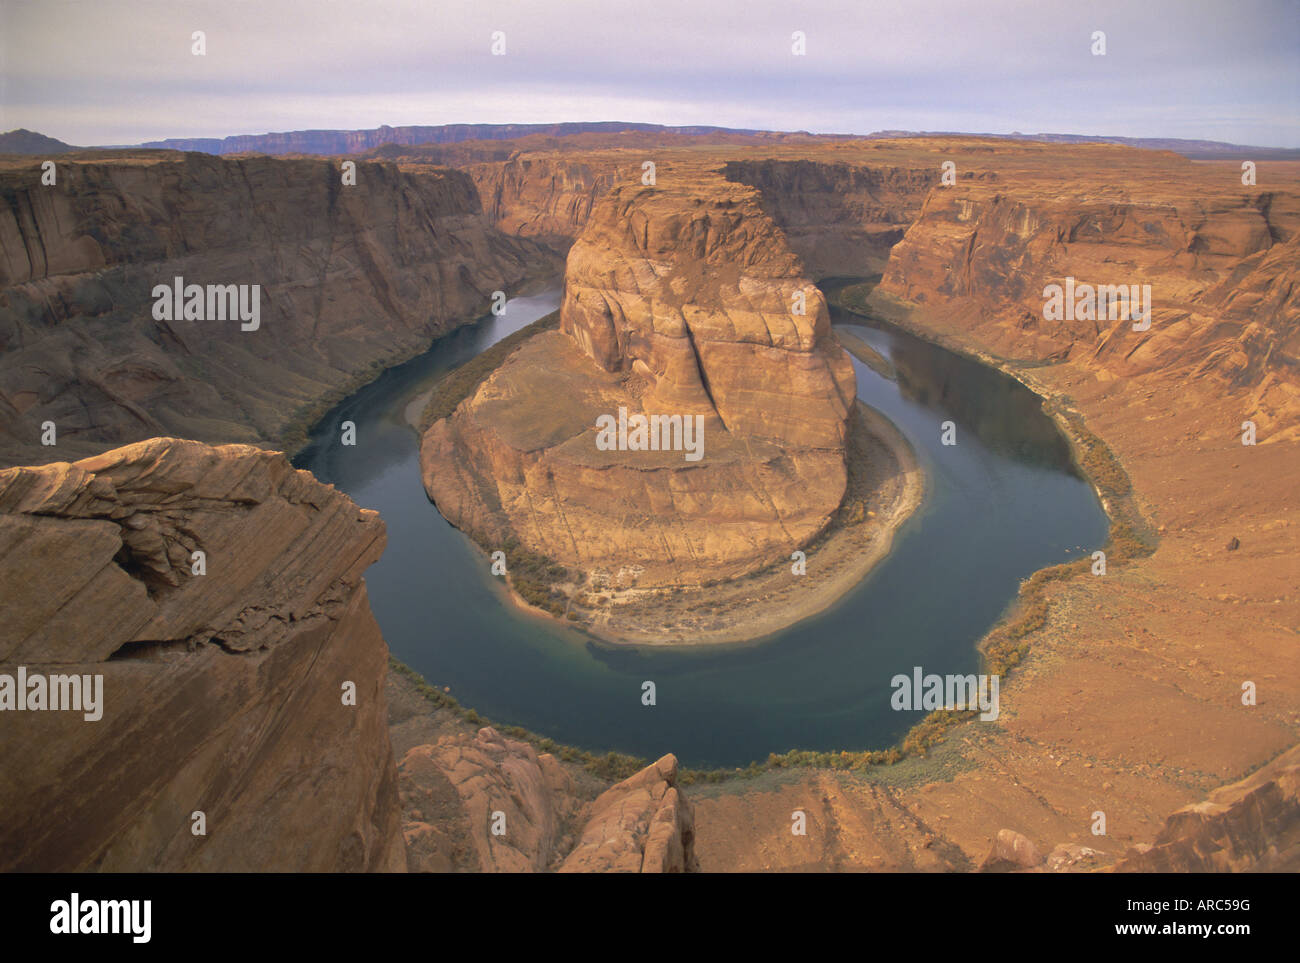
104, 71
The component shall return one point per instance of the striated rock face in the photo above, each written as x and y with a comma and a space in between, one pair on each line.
694, 293
224, 692
1221, 261
678, 302
351, 278
841, 219
519, 812
644, 824
545, 197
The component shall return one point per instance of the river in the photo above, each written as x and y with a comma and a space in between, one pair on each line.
1000, 504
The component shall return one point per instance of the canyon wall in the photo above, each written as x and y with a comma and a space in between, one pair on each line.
679, 300
545, 197
840, 218
351, 278
1221, 260
251, 692
351, 141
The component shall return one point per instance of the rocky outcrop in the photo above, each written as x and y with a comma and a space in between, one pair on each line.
1010, 851
349, 279
1250, 826
680, 301
486, 803
644, 824
242, 688
513, 802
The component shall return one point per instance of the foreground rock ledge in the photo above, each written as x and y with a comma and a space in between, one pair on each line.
222, 692
455, 790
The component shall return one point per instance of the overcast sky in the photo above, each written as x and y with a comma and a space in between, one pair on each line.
117, 72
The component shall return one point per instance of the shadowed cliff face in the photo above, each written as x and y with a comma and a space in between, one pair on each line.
544, 197
680, 300
351, 278
223, 692
841, 219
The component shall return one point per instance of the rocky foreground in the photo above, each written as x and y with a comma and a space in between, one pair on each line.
242, 718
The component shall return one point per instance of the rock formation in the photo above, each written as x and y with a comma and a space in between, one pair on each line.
94, 566
679, 301
1170, 635
245, 684
350, 278
1252, 825
1220, 259
644, 824
492, 804
545, 197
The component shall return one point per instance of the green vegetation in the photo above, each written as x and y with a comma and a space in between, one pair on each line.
535, 576
296, 430
463, 381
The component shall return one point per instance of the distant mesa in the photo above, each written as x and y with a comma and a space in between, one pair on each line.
329, 142
23, 141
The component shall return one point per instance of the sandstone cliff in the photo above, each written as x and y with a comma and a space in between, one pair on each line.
1221, 260
680, 300
841, 218
1171, 636
545, 197
351, 278
224, 693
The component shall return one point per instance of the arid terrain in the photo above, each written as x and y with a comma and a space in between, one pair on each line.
1127, 699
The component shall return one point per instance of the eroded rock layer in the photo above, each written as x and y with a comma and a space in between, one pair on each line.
681, 300
242, 689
